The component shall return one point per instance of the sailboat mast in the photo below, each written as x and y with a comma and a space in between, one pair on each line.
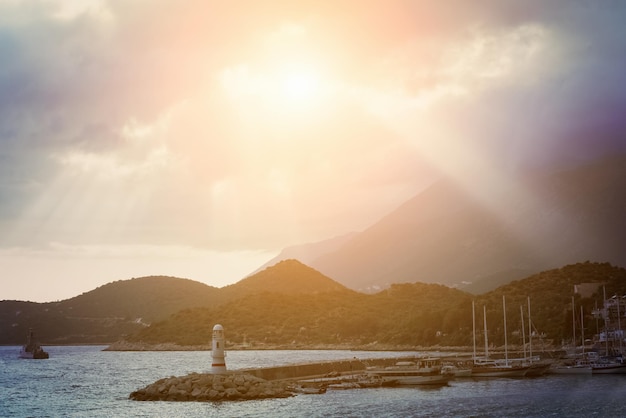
474, 330
506, 350
486, 341
619, 327
521, 314
573, 324
530, 332
582, 329
606, 318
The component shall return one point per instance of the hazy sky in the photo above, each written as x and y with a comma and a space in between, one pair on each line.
198, 138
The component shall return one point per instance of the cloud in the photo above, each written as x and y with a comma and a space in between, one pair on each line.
229, 126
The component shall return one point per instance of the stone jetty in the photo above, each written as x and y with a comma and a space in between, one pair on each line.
212, 387
253, 383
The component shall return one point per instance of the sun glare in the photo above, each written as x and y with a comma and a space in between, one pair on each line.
279, 89
300, 86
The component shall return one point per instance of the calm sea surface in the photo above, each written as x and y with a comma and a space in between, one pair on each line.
88, 382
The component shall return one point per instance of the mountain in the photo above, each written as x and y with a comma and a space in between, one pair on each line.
287, 276
114, 310
291, 304
403, 314
476, 240
406, 314
306, 253
104, 314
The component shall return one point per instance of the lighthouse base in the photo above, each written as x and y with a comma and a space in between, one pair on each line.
218, 368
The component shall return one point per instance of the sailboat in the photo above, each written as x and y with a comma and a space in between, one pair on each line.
580, 365
32, 349
537, 367
611, 364
486, 367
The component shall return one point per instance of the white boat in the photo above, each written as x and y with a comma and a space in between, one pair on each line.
344, 385
308, 390
457, 371
422, 371
358, 381
614, 365
32, 349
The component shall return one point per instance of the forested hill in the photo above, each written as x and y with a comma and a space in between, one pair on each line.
550, 294
103, 314
291, 304
123, 307
402, 314
415, 314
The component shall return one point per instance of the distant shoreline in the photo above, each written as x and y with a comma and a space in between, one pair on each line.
133, 346
464, 350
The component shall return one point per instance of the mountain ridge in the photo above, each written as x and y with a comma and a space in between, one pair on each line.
403, 315
456, 236
123, 307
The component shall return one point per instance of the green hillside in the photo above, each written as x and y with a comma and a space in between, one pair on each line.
104, 314
404, 315
551, 294
287, 276
293, 305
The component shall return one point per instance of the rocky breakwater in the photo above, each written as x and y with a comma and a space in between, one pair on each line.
212, 387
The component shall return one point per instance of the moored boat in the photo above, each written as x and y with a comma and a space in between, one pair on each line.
578, 368
32, 349
457, 371
537, 369
614, 365
487, 367
344, 385
359, 381
308, 390
492, 368
423, 371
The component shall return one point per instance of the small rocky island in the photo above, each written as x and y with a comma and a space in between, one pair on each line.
212, 387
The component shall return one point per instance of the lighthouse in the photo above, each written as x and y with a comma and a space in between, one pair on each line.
219, 363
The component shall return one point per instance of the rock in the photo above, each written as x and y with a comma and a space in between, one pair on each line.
204, 387
232, 393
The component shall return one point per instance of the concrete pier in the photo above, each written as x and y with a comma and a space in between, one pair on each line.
314, 370
254, 383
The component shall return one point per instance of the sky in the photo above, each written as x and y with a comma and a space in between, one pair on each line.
197, 139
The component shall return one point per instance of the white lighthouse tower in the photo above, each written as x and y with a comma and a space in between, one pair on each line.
219, 363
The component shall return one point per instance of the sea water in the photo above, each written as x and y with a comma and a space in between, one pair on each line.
84, 381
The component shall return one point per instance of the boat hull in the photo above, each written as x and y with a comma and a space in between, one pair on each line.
39, 355
422, 371
537, 370
580, 370
499, 371
422, 380
411, 378
609, 369
417, 380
